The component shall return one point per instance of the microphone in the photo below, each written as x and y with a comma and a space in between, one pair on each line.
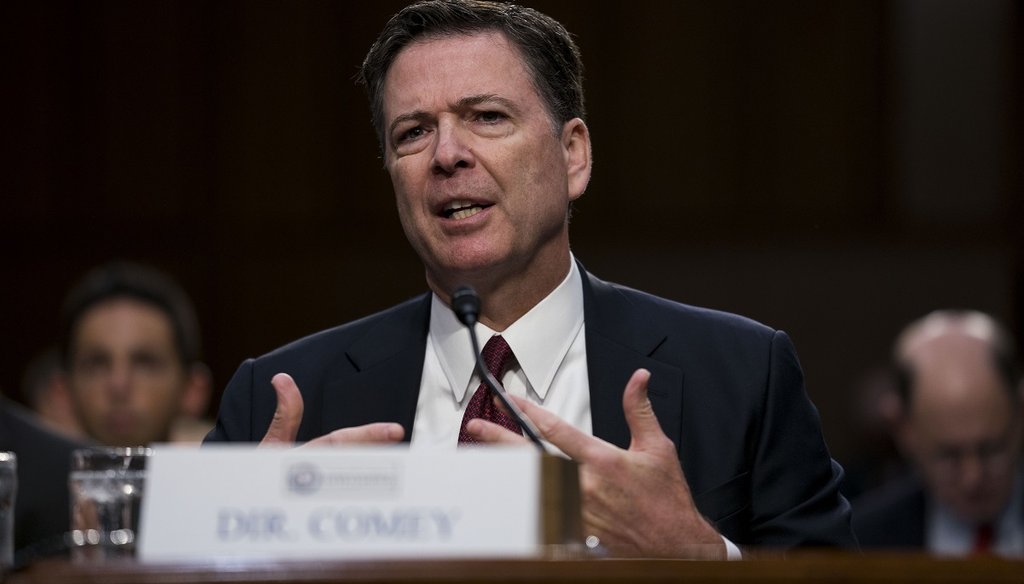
466, 305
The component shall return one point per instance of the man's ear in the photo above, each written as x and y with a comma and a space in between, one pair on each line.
576, 145
198, 385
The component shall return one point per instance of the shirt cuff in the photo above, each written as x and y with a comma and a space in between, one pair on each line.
732, 552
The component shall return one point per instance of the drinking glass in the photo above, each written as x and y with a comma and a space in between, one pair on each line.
106, 495
8, 491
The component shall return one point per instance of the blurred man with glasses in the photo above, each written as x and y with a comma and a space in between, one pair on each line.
960, 425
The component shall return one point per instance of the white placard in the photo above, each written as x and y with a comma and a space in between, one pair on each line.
240, 502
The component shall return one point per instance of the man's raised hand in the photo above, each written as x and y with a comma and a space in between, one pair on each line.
636, 501
285, 424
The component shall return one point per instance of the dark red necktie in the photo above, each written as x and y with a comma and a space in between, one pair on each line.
498, 357
983, 536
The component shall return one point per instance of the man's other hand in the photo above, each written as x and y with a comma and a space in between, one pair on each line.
636, 501
288, 415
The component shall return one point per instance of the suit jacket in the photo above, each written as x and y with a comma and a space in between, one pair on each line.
727, 391
895, 515
41, 509
892, 516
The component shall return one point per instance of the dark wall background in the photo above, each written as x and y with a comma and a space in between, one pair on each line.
834, 169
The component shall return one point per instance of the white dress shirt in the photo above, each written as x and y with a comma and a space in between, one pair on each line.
550, 369
948, 535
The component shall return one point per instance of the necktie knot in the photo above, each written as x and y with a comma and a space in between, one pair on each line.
496, 355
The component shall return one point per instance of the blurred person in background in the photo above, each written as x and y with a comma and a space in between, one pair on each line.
873, 414
46, 394
959, 424
41, 508
131, 355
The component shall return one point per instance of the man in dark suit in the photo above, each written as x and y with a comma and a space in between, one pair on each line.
960, 424
42, 510
479, 111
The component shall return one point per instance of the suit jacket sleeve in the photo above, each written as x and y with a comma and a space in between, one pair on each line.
795, 482
234, 420
755, 457
729, 392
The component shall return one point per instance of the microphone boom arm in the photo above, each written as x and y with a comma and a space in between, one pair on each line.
466, 305
495, 386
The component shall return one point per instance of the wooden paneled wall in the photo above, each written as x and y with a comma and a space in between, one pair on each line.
767, 158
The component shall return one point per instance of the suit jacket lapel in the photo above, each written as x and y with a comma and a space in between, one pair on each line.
621, 338
381, 382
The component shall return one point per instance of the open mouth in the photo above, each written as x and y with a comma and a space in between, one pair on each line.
462, 209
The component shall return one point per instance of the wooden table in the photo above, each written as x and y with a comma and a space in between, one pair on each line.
797, 567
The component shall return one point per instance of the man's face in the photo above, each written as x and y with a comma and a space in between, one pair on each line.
125, 376
968, 449
482, 177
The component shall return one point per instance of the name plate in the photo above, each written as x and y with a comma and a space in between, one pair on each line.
240, 502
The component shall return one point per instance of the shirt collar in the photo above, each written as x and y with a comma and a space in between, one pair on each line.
540, 338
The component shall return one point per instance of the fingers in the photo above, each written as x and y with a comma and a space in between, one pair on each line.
572, 442
288, 415
643, 424
492, 433
376, 433
578, 445
644, 428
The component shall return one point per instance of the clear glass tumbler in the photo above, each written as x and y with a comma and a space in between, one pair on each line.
8, 492
106, 496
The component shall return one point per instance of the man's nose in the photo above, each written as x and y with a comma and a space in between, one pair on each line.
972, 470
120, 381
451, 150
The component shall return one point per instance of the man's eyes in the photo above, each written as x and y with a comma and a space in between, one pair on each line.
101, 364
92, 363
491, 116
487, 117
149, 361
410, 134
